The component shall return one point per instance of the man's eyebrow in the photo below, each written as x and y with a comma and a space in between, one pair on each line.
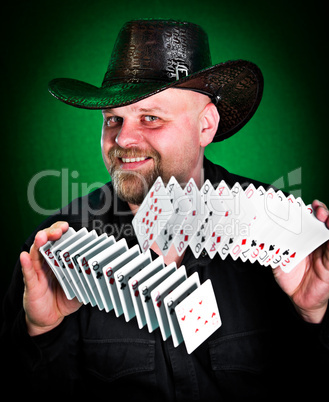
139, 110
152, 109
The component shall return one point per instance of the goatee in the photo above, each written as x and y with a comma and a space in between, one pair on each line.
132, 186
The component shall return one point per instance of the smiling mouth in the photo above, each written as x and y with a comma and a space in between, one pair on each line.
132, 160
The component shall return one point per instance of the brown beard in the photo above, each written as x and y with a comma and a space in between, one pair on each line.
133, 186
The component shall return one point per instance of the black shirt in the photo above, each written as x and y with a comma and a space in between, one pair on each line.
262, 350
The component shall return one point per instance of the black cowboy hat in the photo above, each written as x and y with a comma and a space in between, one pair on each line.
151, 55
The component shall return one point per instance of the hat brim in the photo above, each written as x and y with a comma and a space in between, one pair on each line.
235, 86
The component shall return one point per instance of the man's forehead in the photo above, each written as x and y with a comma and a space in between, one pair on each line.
164, 101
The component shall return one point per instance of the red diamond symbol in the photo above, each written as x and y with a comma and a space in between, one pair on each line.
244, 241
186, 238
218, 239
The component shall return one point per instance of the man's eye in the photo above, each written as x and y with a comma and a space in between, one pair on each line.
113, 120
151, 118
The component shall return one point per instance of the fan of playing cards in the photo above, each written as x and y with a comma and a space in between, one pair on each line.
105, 273
251, 224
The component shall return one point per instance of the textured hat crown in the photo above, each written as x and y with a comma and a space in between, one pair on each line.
157, 50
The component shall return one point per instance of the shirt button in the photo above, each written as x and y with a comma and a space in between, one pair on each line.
204, 253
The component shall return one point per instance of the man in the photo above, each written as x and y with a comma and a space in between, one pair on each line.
162, 104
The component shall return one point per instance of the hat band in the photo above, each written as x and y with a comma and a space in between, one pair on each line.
133, 80
180, 71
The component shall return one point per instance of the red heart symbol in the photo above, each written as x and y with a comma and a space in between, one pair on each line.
159, 303
191, 310
261, 246
213, 314
88, 271
183, 318
111, 281
200, 302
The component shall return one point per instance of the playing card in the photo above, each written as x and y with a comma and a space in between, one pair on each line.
173, 299
198, 316
221, 204
56, 250
83, 262
53, 264
255, 246
248, 238
194, 218
77, 271
313, 234
97, 263
199, 237
273, 214
136, 281
286, 235
122, 277
245, 224
70, 273
152, 215
109, 271
145, 290
181, 206
280, 219
160, 292
235, 204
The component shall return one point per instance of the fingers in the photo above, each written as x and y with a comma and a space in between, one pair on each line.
321, 212
32, 262
54, 232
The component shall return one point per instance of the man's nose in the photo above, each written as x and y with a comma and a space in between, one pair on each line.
129, 134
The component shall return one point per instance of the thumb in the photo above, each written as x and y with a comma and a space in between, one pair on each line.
30, 277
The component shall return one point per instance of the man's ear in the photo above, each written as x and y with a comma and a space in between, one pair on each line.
209, 124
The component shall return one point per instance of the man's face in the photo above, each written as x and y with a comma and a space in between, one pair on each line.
157, 136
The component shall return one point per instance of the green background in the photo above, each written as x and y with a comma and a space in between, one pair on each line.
42, 40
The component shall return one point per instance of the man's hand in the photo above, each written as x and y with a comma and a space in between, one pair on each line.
44, 302
307, 284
